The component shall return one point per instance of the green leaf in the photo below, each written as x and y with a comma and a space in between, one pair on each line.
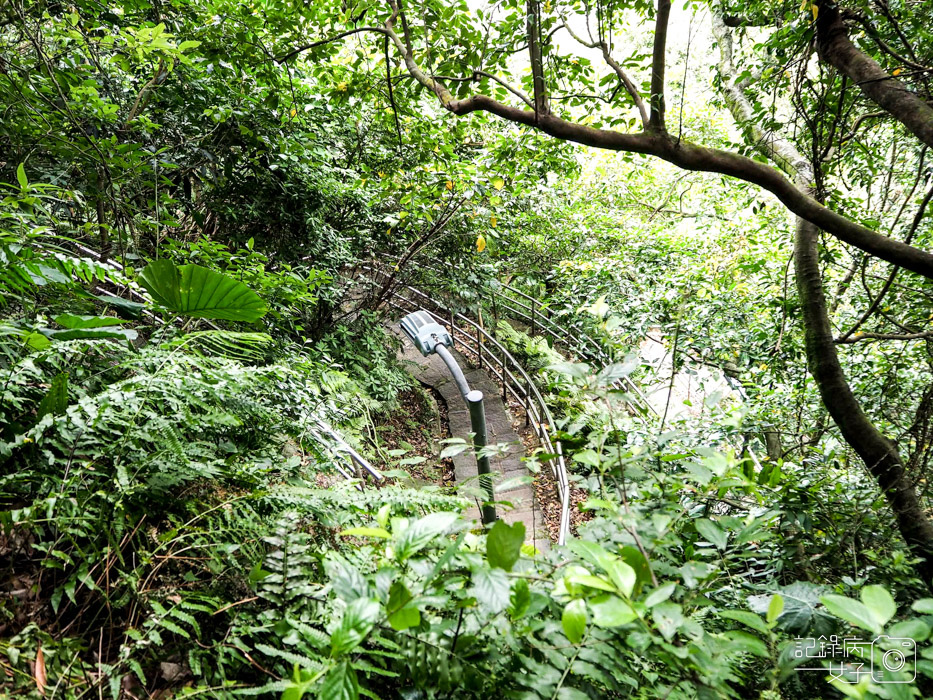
382, 515
880, 603
591, 582
21, 176
504, 544
659, 595
125, 307
611, 611
366, 532
192, 290
37, 341
852, 611
453, 450
775, 608
701, 474
748, 643
573, 620
340, 683
801, 614
56, 399
622, 575
491, 589
924, 606
636, 559
93, 333
419, 533
619, 572
520, 600
402, 614
747, 618
711, 532
914, 629
75, 321
358, 620
668, 617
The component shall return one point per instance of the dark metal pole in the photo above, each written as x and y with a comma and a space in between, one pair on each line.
478, 422
474, 402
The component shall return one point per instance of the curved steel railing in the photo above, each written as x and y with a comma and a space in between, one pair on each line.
570, 333
490, 353
573, 335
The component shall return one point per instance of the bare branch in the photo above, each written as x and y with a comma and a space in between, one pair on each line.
858, 337
481, 73
330, 40
537, 64
624, 78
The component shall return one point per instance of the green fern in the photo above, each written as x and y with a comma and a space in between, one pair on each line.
252, 348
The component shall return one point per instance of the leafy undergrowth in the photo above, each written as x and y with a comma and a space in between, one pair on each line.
140, 508
410, 436
173, 524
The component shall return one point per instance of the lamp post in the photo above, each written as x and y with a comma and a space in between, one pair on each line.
431, 337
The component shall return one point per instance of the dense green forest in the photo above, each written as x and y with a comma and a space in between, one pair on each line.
683, 248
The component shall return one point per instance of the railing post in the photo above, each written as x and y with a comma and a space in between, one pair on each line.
479, 347
533, 314
502, 376
528, 396
478, 422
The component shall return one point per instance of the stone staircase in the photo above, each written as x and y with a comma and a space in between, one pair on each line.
516, 504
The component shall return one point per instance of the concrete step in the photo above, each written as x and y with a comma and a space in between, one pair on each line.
506, 466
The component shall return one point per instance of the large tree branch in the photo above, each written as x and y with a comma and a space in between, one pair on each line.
879, 454
683, 154
775, 147
886, 91
658, 64
533, 30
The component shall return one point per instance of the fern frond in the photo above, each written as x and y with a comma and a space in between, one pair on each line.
252, 348
291, 657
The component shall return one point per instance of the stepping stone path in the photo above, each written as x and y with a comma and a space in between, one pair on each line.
432, 372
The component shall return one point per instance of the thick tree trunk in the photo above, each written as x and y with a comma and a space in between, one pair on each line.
885, 90
879, 454
773, 445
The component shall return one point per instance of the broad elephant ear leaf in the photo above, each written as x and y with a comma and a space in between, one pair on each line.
196, 291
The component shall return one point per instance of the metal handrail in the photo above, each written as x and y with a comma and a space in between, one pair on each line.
507, 369
598, 353
590, 349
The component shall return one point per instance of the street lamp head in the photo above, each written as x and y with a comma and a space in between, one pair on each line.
425, 332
